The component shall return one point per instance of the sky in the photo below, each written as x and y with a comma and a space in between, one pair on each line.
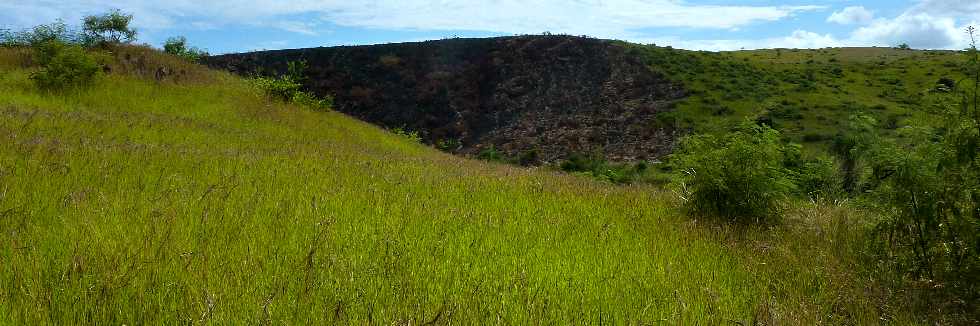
225, 26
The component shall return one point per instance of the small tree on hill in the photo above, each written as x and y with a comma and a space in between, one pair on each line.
111, 27
178, 46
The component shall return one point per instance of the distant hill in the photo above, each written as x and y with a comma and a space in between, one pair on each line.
560, 95
546, 95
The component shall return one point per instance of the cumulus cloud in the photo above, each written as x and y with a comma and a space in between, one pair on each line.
967, 9
798, 39
920, 30
928, 24
612, 18
851, 15
932, 24
575, 17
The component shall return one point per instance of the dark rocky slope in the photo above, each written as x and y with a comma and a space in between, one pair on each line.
553, 95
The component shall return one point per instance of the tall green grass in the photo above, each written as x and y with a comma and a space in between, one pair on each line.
145, 202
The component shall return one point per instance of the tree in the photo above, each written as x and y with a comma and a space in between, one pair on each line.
38, 35
111, 27
178, 46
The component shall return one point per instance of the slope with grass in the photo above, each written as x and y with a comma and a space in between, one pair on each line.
808, 95
144, 201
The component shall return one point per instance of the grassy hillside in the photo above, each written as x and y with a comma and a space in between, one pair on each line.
198, 200
807, 94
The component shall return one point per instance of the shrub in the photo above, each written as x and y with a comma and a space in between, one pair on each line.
818, 179
110, 27
64, 66
178, 46
312, 102
595, 165
281, 89
528, 158
929, 194
288, 88
410, 135
582, 163
740, 176
490, 154
38, 35
296, 71
814, 137
448, 145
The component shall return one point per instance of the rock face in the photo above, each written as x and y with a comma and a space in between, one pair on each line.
551, 95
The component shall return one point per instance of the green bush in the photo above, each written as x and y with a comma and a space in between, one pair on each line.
528, 158
40, 34
740, 176
595, 165
410, 135
177, 46
490, 154
819, 179
929, 194
281, 89
449, 145
288, 88
64, 66
312, 102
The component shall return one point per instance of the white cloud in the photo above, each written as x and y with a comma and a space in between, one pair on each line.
851, 15
929, 24
797, 40
967, 9
611, 18
296, 27
920, 30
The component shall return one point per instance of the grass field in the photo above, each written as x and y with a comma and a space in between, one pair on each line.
144, 202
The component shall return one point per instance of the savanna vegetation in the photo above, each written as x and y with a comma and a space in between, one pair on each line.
158, 191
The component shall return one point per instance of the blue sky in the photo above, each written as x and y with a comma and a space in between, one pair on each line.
222, 26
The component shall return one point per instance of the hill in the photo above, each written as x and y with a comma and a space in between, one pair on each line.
550, 95
192, 198
808, 95
562, 95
